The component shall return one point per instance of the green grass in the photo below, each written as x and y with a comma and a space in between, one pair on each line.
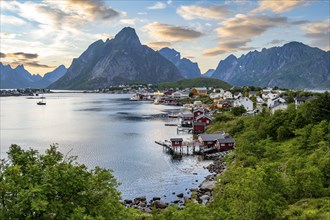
197, 82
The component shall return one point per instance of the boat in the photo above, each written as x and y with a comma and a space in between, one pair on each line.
42, 102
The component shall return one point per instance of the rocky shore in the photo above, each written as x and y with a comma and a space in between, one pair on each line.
202, 194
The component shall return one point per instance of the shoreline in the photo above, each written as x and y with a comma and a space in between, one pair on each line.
203, 194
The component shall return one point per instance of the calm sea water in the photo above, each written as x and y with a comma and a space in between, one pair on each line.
108, 131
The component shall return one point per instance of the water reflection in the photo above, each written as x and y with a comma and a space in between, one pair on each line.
107, 131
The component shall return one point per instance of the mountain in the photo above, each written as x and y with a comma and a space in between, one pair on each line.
120, 60
294, 65
208, 73
52, 76
187, 68
19, 77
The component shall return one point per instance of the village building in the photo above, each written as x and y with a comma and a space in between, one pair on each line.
225, 143
176, 142
278, 106
227, 95
198, 112
204, 118
245, 102
201, 91
223, 104
198, 104
238, 95
198, 127
253, 93
272, 102
300, 100
209, 140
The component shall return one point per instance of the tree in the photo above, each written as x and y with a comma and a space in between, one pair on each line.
239, 110
50, 186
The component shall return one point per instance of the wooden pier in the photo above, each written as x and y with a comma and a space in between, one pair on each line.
184, 129
187, 147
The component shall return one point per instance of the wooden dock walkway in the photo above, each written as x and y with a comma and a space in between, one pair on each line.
187, 148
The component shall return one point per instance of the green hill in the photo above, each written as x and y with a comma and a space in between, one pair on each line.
196, 82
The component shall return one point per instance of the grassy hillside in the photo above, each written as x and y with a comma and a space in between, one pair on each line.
196, 82
280, 168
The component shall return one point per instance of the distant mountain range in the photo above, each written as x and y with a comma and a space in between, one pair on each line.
294, 65
120, 60
124, 60
187, 68
19, 77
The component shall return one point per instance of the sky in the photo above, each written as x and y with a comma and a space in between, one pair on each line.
42, 35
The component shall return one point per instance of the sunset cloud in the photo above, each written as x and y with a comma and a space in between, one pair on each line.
235, 33
95, 9
159, 44
278, 6
19, 58
319, 32
200, 12
171, 33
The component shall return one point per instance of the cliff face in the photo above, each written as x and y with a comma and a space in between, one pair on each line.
294, 65
117, 61
187, 68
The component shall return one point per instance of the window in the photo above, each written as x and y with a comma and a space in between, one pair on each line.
222, 145
207, 121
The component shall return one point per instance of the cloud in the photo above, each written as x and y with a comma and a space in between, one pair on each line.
37, 64
95, 9
237, 32
7, 19
200, 12
171, 33
4, 35
319, 32
22, 55
22, 58
159, 44
128, 21
157, 6
278, 6
276, 42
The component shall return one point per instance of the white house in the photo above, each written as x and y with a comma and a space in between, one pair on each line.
260, 100
278, 106
237, 95
272, 102
245, 102
180, 94
216, 95
227, 95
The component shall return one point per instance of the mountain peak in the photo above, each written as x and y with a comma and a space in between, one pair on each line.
128, 36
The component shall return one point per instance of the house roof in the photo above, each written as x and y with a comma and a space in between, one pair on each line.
176, 139
201, 116
200, 88
226, 140
211, 137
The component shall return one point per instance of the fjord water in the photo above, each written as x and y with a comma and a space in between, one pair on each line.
104, 130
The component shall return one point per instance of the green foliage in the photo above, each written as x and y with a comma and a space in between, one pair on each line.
309, 209
280, 167
196, 82
49, 186
239, 110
